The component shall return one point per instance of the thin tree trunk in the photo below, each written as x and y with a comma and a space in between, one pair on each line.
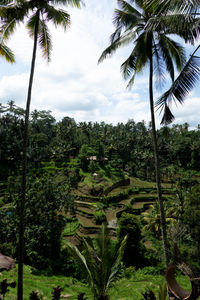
157, 165
24, 170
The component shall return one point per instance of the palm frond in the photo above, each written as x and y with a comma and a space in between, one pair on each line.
45, 39
168, 117
78, 256
155, 24
18, 11
184, 83
125, 6
31, 24
181, 6
131, 66
57, 16
172, 50
5, 2
186, 26
157, 6
6, 53
185, 6
166, 55
139, 66
162, 294
116, 34
128, 68
11, 16
117, 258
121, 41
7, 28
126, 19
158, 68
194, 32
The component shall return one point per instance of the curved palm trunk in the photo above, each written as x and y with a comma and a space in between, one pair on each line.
157, 165
24, 170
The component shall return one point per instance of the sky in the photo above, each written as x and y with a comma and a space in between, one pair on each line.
73, 84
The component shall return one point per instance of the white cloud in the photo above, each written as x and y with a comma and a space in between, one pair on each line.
14, 88
188, 111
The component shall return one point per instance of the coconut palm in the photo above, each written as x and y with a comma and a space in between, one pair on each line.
151, 218
37, 13
152, 48
101, 260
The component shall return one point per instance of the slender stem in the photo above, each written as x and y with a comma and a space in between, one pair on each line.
157, 165
24, 169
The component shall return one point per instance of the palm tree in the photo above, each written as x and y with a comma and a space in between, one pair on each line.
39, 13
102, 262
150, 47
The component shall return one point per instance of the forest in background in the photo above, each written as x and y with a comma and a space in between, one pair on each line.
125, 146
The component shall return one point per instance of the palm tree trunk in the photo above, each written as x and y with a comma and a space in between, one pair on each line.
157, 165
24, 170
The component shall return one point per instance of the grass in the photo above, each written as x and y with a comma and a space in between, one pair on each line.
44, 284
134, 183
102, 180
124, 289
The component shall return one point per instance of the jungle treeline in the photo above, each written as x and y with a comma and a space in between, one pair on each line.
126, 146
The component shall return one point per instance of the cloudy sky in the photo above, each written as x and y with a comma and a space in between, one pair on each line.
72, 84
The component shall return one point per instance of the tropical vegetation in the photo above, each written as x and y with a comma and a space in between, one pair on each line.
60, 181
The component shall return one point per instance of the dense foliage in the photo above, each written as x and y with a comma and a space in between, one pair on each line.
125, 146
48, 199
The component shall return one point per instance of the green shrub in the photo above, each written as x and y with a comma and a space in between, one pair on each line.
129, 272
129, 225
93, 166
71, 228
128, 206
100, 206
150, 271
99, 217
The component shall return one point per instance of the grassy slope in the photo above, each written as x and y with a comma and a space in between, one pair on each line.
124, 289
44, 284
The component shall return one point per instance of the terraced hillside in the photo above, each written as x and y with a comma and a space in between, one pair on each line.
91, 211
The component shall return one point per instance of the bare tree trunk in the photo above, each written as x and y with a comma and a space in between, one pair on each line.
157, 165
24, 170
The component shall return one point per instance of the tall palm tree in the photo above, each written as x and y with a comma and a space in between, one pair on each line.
38, 13
152, 48
101, 261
